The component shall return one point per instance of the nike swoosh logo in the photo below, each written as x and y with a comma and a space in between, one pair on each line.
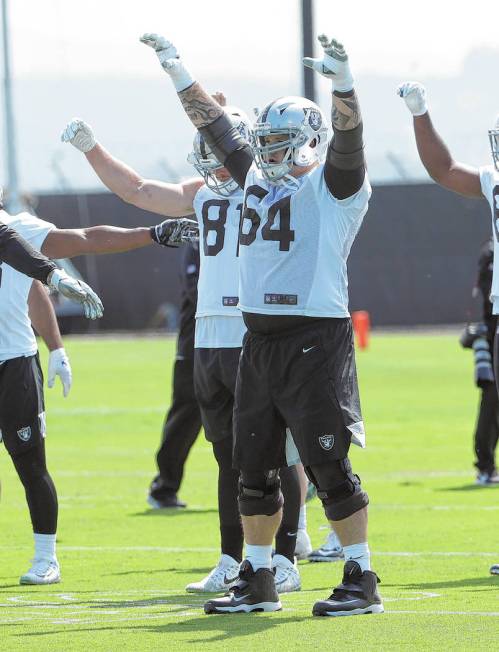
229, 580
309, 348
343, 602
241, 598
291, 534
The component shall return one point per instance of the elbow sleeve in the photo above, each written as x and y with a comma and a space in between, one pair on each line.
20, 255
346, 149
229, 147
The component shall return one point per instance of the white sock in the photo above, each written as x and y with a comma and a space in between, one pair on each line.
358, 552
302, 520
259, 556
45, 546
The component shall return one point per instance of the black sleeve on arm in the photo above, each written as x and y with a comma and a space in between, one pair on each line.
345, 168
229, 147
19, 254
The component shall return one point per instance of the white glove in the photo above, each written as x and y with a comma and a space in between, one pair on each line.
76, 291
59, 366
414, 95
169, 60
333, 64
79, 134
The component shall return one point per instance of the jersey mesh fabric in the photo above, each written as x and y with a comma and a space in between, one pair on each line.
16, 334
489, 180
294, 246
219, 323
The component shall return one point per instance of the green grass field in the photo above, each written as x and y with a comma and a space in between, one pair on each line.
433, 534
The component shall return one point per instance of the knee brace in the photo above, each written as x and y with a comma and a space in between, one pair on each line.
260, 493
338, 488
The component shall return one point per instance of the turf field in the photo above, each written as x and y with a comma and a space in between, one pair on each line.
433, 533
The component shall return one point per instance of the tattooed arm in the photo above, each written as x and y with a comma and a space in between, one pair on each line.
204, 112
344, 170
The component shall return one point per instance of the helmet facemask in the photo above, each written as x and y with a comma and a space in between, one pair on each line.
302, 128
205, 161
494, 143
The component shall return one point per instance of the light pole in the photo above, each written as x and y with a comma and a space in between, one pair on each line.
307, 25
14, 202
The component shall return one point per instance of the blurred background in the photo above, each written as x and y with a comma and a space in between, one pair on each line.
414, 261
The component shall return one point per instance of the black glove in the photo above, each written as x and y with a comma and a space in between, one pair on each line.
173, 233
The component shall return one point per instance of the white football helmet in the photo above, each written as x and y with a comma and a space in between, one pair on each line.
304, 125
494, 143
205, 161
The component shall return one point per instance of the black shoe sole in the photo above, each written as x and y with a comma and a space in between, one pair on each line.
371, 609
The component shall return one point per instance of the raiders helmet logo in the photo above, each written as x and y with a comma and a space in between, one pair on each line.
326, 442
315, 120
24, 434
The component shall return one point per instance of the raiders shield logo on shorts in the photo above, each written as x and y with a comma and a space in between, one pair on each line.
24, 434
326, 442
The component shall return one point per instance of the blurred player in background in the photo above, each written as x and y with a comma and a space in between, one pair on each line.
22, 411
297, 368
183, 420
217, 202
462, 179
480, 337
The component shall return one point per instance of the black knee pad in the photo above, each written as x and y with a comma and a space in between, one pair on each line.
260, 493
338, 488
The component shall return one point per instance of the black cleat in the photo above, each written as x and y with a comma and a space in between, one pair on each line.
253, 592
160, 497
357, 594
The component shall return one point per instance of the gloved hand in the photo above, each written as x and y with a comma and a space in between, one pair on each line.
333, 64
172, 233
59, 366
76, 291
169, 60
414, 95
79, 134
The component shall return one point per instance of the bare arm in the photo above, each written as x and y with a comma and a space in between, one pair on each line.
439, 163
172, 199
66, 243
42, 316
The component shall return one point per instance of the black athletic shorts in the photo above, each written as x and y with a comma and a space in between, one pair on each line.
215, 373
22, 410
304, 379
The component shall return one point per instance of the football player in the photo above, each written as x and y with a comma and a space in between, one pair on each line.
217, 202
22, 412
300, 216
462, 179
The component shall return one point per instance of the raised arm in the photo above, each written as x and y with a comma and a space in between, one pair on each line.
433, 152
172, 199
204, 112
344, 170
19, 254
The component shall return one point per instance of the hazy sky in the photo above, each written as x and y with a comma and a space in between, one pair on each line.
64, 38
84, 58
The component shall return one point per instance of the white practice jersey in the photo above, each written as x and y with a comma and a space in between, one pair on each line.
219, 323
16, 335
489, 179
294, 246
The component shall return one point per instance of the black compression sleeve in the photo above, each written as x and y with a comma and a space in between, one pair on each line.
229, 147
19, 254
344, 170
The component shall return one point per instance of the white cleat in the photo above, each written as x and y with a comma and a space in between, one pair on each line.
42, 571
494, 570
222, 577
303, 544
287, 577
331, 550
